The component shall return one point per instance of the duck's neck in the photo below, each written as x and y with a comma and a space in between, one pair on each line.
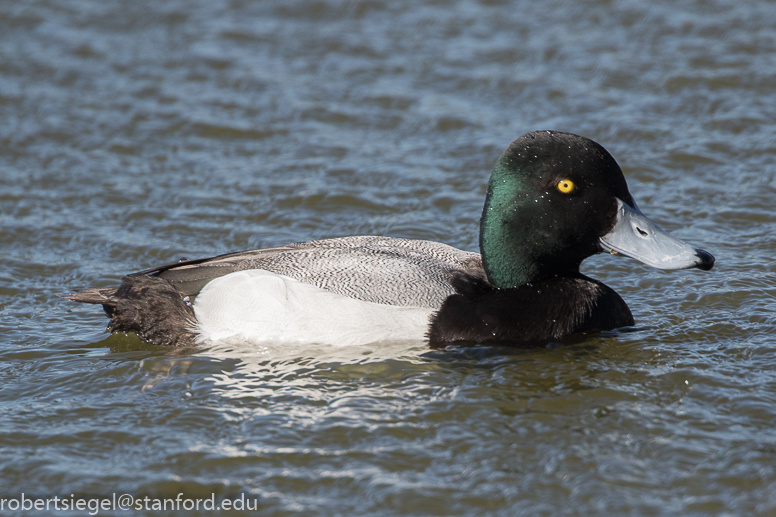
518, 242
502, 239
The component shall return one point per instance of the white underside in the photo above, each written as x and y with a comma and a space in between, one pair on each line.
256, 307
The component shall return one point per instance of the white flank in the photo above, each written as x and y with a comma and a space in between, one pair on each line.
256, 306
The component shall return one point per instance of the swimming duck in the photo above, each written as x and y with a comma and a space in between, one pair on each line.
553, 200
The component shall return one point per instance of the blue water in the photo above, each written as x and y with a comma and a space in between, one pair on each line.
136, 133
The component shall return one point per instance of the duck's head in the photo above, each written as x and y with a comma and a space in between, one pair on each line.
555, 199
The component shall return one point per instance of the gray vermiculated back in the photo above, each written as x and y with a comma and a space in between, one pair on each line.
403, 272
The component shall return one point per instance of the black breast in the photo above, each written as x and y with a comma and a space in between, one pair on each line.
549, 309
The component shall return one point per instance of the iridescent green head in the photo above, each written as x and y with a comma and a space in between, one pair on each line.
555, 199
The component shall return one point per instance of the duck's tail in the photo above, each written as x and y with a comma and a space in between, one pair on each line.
146, 305
104, 297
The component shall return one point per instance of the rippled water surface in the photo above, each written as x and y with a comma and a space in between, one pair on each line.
133, 133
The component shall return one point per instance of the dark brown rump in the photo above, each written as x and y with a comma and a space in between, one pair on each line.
148, 306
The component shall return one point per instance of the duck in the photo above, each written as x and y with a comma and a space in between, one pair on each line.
553, 200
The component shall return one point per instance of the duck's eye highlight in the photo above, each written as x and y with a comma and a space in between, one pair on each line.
566, 186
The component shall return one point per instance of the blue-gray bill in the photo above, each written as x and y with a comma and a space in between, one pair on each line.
635, 236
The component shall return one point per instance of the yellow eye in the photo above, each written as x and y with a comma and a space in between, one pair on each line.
566, 186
